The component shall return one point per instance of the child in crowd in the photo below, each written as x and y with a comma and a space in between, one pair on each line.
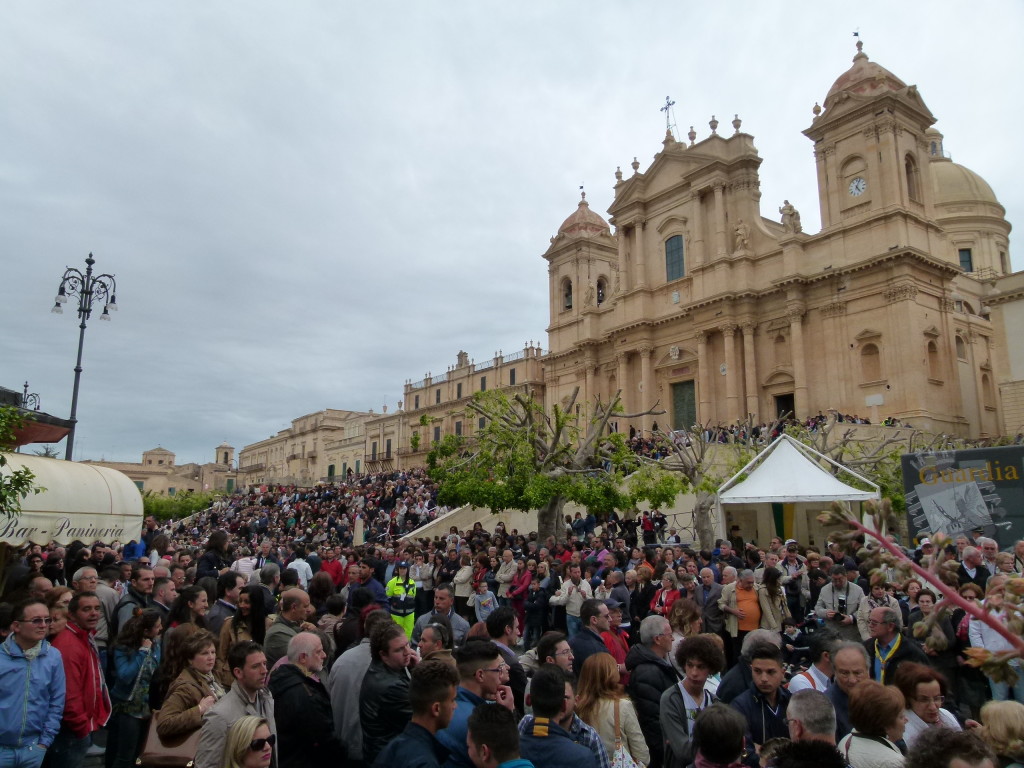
483, 601
794, 642
536, 606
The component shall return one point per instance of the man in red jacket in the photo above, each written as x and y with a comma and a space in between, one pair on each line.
87, 705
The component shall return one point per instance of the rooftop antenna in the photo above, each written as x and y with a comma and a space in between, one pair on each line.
583, 195
670, 116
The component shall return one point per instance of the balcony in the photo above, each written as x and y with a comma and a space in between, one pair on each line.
259, 467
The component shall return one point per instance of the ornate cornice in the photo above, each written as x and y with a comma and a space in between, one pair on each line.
834, 309
900, 292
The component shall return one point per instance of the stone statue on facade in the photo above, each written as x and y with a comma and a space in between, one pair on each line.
790, 218
742, 236
588, 299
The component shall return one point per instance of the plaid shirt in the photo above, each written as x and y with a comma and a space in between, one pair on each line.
582, 734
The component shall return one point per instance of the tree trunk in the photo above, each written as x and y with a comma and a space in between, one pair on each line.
549, 521
704, 520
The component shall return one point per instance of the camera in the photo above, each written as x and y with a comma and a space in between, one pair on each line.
840, 606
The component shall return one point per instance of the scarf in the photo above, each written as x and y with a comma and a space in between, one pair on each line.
32, 653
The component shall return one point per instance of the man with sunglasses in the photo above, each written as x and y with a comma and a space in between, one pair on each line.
31, 683
247, 696
481, 675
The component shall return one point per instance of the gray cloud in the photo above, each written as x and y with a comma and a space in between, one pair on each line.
306, 204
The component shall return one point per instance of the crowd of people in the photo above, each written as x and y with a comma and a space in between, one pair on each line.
261, 633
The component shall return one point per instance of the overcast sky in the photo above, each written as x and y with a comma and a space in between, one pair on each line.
305, 204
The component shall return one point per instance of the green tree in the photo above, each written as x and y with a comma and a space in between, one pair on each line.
700, 459
15, 484
526, 458
176, 507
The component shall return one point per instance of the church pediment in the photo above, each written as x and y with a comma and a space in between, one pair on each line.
675, 356
867, 334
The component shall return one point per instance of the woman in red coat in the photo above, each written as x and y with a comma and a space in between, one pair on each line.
518, 588
661, 604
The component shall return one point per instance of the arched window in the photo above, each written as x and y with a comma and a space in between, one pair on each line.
961, 348
933, 361
674, 266
913, 181
870, 363
602, 290
567, 294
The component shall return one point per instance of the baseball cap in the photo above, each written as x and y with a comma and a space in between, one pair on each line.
612, 604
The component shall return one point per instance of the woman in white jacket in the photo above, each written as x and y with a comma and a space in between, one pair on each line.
984, 636
878, 719
599, 696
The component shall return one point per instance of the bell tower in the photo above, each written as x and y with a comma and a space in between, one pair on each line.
870, 146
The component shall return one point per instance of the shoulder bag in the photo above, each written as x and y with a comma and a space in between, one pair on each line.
621, 757
175, 752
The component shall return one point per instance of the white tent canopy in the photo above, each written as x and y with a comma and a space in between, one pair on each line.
81, 502
789, 471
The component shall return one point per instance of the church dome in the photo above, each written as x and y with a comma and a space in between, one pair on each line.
954, 183
583, 221
864, 78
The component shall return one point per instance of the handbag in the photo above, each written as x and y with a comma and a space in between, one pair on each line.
175, 752
621, 757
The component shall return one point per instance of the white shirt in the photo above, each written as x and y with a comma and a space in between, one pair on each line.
302, 568
819, 681
916, 726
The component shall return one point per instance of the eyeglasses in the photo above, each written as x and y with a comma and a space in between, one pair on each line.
848, 673
936, 700
876, 622
39, 621
564, 652
499, 669
258, 744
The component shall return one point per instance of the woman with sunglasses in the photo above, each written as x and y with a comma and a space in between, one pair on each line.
249, 744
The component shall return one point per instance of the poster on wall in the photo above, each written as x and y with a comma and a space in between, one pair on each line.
978, 491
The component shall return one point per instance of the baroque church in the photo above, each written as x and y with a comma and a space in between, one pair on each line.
701, 304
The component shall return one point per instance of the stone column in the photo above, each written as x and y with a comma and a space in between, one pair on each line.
703, 378
697, 255
591, 392
719, 219
732, 372
624, 281
795, 313
750, 370
622, 380
638, 257
647, 384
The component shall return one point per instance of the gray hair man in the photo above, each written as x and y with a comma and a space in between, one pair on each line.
811, 717
651, 673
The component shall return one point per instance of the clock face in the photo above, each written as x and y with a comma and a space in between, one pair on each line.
858, 186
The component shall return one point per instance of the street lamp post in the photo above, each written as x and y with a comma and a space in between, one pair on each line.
88, 288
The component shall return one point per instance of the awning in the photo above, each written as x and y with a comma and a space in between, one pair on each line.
81, 502
789, 471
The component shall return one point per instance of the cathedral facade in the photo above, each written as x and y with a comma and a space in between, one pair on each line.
699, 303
